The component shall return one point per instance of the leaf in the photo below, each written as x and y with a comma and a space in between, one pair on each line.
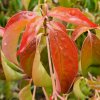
64, 57
26, 3
90, 55
11, 71
1, 31
39, 75
78, 31
30, 32
25, 93
98, 33
19, 16
13, 30
71, 15
27, 47
65, 3
77, 89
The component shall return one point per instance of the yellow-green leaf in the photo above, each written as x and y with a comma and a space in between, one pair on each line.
25, 93
10, 70
39, 74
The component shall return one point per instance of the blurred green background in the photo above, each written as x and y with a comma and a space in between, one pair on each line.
91, 8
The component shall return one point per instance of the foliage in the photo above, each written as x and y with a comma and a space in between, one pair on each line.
52, 47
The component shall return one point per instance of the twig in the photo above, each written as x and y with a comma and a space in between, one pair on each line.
50, 67
46, 96
33, 97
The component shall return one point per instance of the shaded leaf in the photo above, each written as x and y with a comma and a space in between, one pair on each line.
71, 15
11, 71
90, 55
25, 93
12, 32
64, 57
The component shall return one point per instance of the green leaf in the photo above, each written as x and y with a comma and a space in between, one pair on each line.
77, 89
25, 93
11, 71
98, 33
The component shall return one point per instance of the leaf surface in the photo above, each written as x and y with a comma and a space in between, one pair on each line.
13, 30
39, 74
11, 71
25, 93
28, 45
71, 15
64, 56
90, 55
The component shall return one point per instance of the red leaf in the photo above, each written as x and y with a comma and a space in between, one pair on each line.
71, 15
30, 31
64, 56
12, 32
1, 31
19, 16
28, 45
78, 31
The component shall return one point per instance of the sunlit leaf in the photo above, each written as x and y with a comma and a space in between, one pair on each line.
39, 75
25, 93
13, 30
90, 55
71, 15
64, 56
11, 71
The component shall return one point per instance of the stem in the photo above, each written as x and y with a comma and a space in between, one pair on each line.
33, 97
50, 67
46, 96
